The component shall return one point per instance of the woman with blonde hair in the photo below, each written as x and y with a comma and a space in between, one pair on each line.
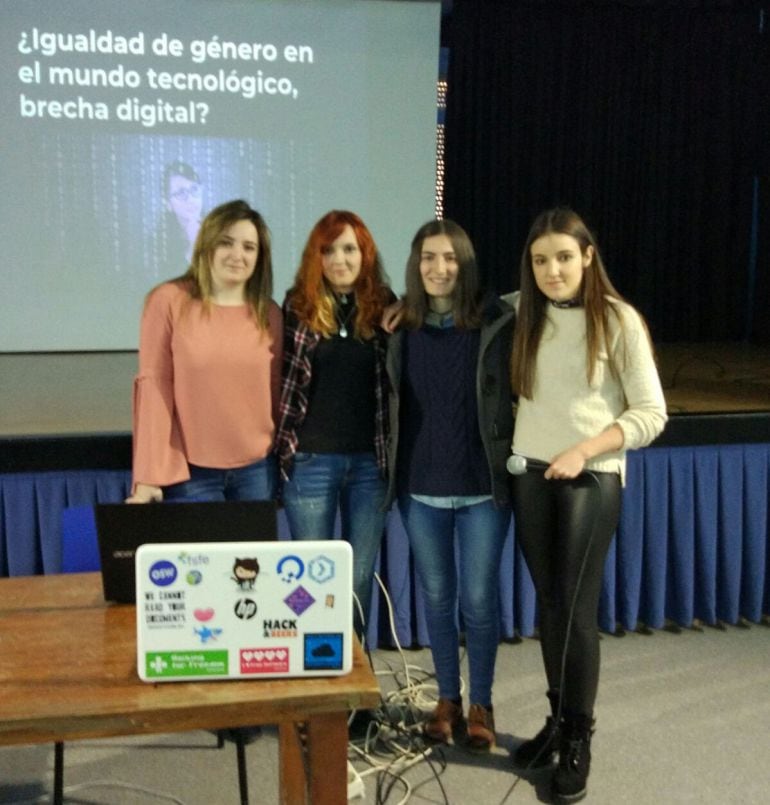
331, 438
207, 390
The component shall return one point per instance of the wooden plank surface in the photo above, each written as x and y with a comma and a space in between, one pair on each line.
68, 671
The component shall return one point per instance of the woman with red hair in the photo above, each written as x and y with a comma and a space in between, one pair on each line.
331, 438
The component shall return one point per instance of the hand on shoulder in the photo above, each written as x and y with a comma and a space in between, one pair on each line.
392, 315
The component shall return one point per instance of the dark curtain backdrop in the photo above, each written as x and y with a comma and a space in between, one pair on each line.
649, 118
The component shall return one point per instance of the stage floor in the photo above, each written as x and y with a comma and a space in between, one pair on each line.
715, 378
48, 394
66, 393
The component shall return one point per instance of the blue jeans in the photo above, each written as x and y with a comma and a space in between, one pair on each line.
256, 481
319, 484
481, 533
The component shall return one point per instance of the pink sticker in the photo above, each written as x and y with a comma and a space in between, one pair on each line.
264, 661
203, 614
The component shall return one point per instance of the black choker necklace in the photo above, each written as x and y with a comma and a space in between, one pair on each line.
566, 303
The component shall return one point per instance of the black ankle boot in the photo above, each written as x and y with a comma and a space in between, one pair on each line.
571, 775
539, 751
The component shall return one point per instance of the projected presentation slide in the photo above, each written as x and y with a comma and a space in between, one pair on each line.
124, 123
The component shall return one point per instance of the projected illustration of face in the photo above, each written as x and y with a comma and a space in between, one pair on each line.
438, 269
558, 265
341, 261
235, 256
185, 199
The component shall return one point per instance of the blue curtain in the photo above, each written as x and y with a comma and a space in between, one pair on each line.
31, 504
692, 543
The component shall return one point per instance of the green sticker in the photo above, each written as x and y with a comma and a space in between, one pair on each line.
185, 663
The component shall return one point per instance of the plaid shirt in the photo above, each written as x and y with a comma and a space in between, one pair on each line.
300, 343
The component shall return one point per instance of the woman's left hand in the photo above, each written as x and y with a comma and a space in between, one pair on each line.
568, 464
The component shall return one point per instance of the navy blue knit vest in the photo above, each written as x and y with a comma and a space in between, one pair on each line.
440, 449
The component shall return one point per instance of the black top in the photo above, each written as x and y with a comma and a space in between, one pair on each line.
341, 401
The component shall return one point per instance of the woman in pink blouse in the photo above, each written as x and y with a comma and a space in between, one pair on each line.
210, 370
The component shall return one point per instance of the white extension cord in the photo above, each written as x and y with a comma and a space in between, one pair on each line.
355, 784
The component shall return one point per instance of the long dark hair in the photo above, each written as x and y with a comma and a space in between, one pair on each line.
466, 297
594, 291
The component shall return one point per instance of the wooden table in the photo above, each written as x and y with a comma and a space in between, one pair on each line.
68, 671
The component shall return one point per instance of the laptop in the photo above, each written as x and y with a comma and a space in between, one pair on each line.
122, 527
244, 610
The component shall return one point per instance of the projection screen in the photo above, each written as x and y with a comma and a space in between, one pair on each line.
125, 122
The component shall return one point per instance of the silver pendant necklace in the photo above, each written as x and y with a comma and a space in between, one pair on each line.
343, 323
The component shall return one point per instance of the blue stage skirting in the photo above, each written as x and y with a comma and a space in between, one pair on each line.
692, 543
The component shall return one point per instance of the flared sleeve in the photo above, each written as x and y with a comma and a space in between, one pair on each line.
159, 456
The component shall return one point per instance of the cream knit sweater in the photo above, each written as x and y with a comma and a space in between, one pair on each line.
566, 410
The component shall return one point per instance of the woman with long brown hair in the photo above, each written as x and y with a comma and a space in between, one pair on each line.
206, 394
331, 439
588, 388
451, 428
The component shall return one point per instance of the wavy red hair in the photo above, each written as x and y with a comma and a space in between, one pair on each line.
311, 297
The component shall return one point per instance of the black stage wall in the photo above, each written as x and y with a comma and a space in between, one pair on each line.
648, 117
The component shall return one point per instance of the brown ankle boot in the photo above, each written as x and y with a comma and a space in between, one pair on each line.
444, 721
481, 728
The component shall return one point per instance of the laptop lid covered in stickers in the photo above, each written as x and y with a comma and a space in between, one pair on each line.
244, 610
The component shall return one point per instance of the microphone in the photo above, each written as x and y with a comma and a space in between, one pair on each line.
518, 465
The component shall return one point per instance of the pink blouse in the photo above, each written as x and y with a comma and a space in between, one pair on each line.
208, 386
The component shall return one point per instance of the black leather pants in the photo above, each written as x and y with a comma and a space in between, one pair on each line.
565, 528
